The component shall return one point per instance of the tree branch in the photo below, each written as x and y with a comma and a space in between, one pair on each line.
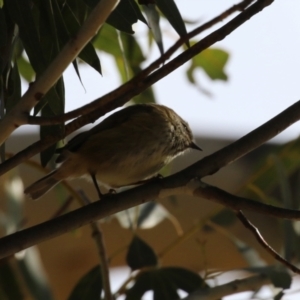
262, 242
116, 98
113, 203
199, 189
18, 115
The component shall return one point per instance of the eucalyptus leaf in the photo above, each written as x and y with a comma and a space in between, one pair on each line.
54, 105
9, 283
140, 254
279, 295
171, 12
89, 286
22, 14
25, 69
279, 276
32, 271
165, 283
125, 15
153, 21
225, 217
212, 61
13, 87
3, 28
265, 176
71, 26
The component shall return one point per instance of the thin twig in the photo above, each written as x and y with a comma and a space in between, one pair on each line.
143, 74
262, 241
100, 243
215, 194
110, 101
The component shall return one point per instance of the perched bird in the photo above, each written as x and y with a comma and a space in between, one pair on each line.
129, 146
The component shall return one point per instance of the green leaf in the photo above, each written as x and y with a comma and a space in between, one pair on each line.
32, 271
140, 254
290, 238
124, 15
279, 295
23, 14
265, 177
89, 286
54, 105
165, 283
280, 278
171, 12
70, 28
3, 29
1, 3
225, 217
212, 61
153, 21
107, 40
14, 88
9, 285
79, 9
278, 275
25, 69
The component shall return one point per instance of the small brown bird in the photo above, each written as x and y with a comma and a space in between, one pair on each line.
131, 145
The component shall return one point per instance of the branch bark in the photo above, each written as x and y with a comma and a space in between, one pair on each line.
113, 203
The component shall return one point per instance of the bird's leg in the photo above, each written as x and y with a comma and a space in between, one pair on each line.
93, 175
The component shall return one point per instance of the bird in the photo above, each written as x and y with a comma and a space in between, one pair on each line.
128, 147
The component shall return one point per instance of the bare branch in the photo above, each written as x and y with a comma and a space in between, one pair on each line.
18, 115
199, 189
262, 241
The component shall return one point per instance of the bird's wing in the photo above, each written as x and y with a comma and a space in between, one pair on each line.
113, 121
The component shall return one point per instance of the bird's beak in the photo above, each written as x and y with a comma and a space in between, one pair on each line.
194, 146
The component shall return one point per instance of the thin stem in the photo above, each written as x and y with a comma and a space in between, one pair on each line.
97, 234
262, 242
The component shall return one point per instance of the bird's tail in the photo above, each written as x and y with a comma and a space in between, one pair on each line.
42, 186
